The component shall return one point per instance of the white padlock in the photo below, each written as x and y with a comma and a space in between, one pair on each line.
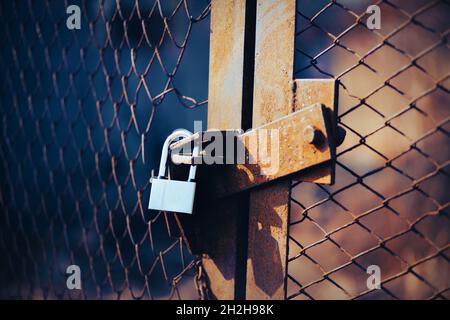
173, 195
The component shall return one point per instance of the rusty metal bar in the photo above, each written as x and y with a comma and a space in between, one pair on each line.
288, 153
229, 79
293, 153
269, 206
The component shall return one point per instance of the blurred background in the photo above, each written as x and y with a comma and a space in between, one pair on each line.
389, 205
84, 114
84, 117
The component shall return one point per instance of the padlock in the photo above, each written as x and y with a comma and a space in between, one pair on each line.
173, 195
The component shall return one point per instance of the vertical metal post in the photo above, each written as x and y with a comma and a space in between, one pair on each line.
237, 266
230, 81
269, 205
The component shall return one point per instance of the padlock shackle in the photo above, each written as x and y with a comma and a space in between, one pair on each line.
193, 168
179, 133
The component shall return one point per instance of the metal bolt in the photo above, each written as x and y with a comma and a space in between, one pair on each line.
311, 135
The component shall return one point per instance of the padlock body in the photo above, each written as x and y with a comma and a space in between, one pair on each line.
172, 195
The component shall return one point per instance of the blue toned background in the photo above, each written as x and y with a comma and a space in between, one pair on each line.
84, 114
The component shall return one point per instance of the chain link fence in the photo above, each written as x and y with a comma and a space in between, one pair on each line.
84, 114
389, 205
83, 117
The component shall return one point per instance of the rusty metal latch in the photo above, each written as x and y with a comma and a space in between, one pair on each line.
306, 139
